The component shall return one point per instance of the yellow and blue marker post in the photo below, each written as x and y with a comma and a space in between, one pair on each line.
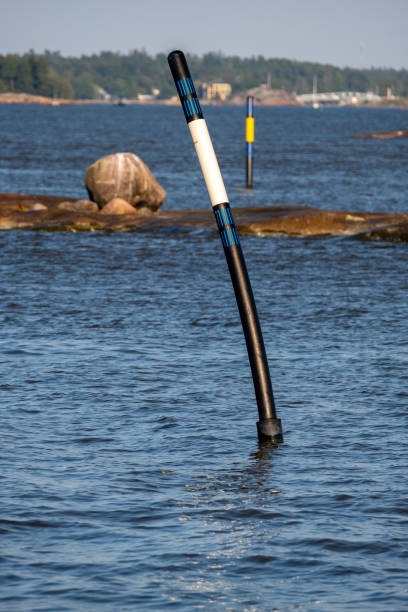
249, 138
269, 426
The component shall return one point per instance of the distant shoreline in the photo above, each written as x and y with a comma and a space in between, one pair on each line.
22, 98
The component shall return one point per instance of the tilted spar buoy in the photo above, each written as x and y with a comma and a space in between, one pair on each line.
269, 427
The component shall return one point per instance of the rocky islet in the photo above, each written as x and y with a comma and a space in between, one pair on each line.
124, 196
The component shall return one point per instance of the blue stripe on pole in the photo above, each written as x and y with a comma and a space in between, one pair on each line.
226, 225
189, 98
229, 214
223, 216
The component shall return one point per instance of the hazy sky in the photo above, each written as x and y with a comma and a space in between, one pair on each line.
341, 32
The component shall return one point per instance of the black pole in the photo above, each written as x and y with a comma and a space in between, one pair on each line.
269, 426
249, 137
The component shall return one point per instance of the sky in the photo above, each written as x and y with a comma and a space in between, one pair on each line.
356, 33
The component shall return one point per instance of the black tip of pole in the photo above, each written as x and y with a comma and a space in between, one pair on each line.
270, 430
178, 64
184, 86
174, 53
175, 56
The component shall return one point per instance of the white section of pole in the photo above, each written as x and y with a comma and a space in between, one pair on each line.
208, 161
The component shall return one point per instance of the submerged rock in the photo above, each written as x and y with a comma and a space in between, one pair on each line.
16, 212
79, 206
38, 206
380, 135
392, 233
126, 176
28, 206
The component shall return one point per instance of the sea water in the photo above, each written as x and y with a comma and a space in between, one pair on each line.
131, 474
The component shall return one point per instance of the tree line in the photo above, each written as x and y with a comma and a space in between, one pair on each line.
128, 75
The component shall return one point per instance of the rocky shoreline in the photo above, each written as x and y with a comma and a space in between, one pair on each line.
263, 97
273, 98
39, 212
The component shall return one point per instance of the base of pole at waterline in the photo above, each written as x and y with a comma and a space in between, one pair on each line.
270, 430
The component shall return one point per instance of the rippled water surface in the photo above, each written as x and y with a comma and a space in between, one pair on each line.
302, 156
131, 475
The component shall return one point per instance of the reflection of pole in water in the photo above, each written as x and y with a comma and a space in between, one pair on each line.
269, 427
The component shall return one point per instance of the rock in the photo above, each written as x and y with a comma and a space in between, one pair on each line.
266, 97
123, 175
85, 206
392, 233
255, 221
28, 206
308, 221
118, 206
380, 135
38, 206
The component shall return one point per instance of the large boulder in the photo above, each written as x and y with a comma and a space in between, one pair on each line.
126, 176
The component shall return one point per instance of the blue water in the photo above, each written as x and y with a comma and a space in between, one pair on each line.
302, 156
131, 475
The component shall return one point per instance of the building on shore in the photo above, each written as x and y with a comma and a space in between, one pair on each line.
339, 98
216, 90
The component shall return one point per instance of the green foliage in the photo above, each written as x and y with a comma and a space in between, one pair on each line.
83, 86
137, 73
31, 73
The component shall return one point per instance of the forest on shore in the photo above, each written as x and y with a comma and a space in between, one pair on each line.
136, 73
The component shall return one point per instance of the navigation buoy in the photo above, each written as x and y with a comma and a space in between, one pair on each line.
249, 138
269, 426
